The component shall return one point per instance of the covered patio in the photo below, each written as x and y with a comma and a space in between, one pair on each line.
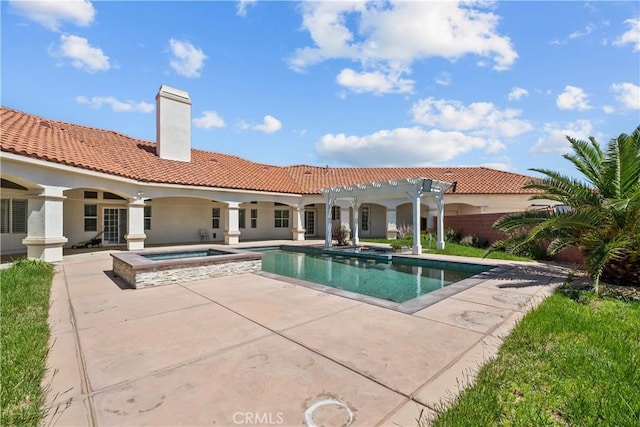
412, 189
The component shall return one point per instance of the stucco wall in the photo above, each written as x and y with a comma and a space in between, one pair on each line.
179, 220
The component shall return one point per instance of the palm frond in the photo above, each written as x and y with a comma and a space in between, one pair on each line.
629, 161
560, 244
569, 191
611, 170
587, 159
520, 220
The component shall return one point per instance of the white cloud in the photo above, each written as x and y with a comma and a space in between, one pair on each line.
573, 98
397, 147
52, 14
499, 166
243, 125
483, 118
375, 82
82, 55
387, 37
631, 36
444, 79
577, 34
117, 106
608, 109
517, 93
187, 59
628, 94
270, 125
242, 6
555, 138
209, 119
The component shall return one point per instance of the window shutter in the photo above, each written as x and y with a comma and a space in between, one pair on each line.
18, 216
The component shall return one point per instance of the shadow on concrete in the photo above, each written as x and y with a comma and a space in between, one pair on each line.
117, 280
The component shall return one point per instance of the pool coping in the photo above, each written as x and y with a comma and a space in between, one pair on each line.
407, 307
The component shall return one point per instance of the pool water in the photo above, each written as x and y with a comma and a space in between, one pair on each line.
392, 281
184, 254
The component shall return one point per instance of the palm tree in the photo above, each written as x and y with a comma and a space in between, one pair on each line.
600, 214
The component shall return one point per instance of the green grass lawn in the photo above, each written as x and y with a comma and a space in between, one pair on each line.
451, 249
24, 341
569, 362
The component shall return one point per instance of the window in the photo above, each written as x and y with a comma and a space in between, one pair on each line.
4, 216
13, 216
111, 196
18, 216
335, 213
242, 218
281, 218
147, 217
254, 218
90, 217
90, 194
215, 218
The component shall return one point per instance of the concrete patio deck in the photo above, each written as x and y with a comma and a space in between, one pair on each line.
252, 350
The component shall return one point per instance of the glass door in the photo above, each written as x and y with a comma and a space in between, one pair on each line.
114, 221
365, 221
309, 223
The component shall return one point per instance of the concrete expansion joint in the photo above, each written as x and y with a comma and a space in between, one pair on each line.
301, 344
171, 367
84, 376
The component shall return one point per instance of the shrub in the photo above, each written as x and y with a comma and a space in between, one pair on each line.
469, 240
451, 236
341, 235
405, 231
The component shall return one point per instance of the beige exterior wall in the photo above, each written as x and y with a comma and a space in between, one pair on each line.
179, 220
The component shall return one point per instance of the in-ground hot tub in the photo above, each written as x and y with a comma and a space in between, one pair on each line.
164, 266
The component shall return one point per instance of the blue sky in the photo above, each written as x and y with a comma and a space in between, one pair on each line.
421, 83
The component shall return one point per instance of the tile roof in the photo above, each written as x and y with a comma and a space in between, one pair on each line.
117, 154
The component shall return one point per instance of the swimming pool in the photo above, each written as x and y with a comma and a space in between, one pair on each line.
397, 281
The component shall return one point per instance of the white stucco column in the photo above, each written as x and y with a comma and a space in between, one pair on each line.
298, 223
135, 217
45, 239
328, 239
417, 246
356, 223
392, 228
440, 202
231, 224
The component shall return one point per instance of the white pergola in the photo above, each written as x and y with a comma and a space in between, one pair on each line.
412, 189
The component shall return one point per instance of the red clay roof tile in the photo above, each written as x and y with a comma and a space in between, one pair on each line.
116, 154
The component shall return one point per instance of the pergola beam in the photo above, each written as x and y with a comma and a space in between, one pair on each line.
412, 188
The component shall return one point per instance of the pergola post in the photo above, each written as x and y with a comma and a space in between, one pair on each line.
328, 238
356, 222
417, 246
440, 203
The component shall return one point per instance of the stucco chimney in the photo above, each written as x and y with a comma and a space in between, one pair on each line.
173, 124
